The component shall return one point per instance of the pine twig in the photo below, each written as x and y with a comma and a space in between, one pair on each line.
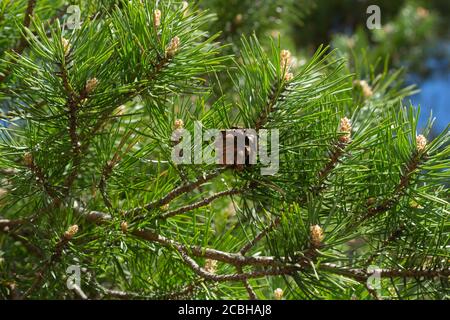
387, 204
59, 247
109, 166
201, 203
248, 287
198, 251
362, 275
174, 194
233, 277
73, 101
41, 178
270, 105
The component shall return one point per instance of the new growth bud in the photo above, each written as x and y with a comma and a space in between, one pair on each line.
66, 45
422, 12
288, 76
184, 6
366, 89
285, 59
211, 265
179, 124
238, 19
278, 294
316, 234
156, 18
91, 85
173, 47
346, 127
28, 159
421, 143
71, 232
124, 226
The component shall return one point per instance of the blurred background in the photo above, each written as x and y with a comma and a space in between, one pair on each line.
414, 36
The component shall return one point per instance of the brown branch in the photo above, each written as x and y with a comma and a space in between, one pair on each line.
198, 251
73, 102
272, 266
362, 275
275, 266
234, 277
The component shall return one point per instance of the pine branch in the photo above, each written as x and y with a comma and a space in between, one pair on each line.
73, 102
201, 203
277, 267
175, 193
233, 277
161, 54
361, 275
232, 258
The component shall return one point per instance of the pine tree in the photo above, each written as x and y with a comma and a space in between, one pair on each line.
357, 208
